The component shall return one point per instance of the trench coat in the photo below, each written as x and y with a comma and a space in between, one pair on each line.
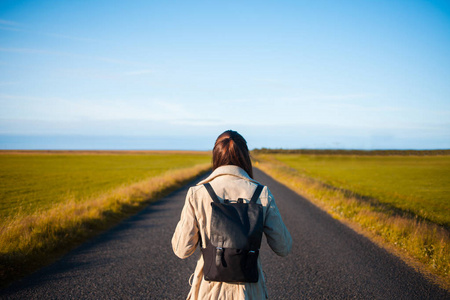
229, 182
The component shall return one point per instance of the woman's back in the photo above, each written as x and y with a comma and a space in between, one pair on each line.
231, 179
229, 182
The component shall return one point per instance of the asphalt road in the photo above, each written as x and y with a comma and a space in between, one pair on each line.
134, 260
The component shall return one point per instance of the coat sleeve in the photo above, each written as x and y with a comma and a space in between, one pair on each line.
186, 235
278, 237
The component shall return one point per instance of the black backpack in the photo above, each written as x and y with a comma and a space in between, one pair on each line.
231, 254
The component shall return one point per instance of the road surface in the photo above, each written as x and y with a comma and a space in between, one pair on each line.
134, 260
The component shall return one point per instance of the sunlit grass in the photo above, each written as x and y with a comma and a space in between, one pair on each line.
39, 181
413, 237
48, 227
418, 184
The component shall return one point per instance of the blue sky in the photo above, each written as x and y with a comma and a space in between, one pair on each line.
175, 74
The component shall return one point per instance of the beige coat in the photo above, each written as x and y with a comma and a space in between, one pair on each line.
229, 182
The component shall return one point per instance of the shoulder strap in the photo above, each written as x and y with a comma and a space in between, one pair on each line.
256, 194
214, 197
211, 192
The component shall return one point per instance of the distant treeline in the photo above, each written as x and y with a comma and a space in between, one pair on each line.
351, 152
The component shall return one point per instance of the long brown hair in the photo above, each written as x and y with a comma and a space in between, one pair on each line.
231, 149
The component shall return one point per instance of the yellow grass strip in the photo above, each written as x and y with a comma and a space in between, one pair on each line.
28, 242
423, 245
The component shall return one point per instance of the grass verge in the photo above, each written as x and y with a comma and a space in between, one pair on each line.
37, 180
31, 241
420, 243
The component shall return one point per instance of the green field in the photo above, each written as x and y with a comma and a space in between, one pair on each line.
36, 181
51, 201
398, 201
418, 184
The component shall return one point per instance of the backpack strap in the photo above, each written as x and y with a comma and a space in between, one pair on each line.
256, 194
214, 197
211, 192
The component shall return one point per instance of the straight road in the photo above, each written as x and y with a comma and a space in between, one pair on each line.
134, 260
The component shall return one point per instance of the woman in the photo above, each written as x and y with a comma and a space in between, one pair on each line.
232, 178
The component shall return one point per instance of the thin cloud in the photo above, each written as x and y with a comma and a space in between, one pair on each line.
29, 101
199, 122
64, 36
10, 28
14, 26
57, 109
342, 97
4, 83
34, 51
9, 23
68, 54
112, 60
138, 72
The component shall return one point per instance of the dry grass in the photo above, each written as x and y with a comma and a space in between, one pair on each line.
422, 244
30, 241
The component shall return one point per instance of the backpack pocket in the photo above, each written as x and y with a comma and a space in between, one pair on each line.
236, 265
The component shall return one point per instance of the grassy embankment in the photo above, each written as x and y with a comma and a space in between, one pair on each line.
50, 202
401, 202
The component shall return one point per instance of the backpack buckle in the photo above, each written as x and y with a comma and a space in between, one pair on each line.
219, 255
